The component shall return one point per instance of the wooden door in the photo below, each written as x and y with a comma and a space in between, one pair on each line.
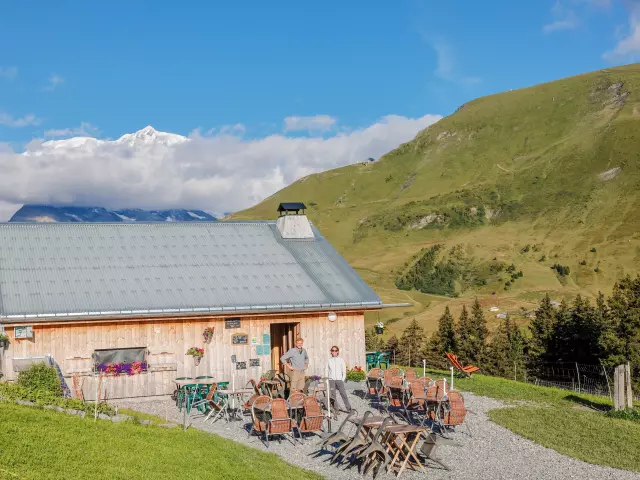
283, 336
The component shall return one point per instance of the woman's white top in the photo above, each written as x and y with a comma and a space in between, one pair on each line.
336, 369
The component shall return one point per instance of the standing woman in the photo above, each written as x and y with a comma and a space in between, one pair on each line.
336, 372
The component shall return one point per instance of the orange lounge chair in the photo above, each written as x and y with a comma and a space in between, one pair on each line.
468, 370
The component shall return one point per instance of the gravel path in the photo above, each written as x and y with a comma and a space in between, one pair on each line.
492, 453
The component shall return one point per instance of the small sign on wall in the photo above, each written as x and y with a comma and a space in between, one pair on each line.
241, 365
240, 339
23, 332
232, 323
254, 362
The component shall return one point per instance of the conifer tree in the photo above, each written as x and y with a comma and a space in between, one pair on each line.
542, 329
464, 336
410, 345
445, 337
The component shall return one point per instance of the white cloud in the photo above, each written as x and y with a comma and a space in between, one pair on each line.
9, 121
54, 82
221, 173
84, 130
311, 124
8, 73
564, 18
628, 47
446, 63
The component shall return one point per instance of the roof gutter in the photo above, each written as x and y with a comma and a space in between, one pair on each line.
396, 305
188, 312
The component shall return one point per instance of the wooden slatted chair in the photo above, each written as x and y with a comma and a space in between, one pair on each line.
280, 422
466, 371
435, 394
313, 418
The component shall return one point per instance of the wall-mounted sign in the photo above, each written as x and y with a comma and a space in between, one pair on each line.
232, 323
233, 359
23, 332
266, 339
254, 362
263, 349
254, 340
241, 365
240, 339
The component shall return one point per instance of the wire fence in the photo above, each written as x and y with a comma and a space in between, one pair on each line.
577, 377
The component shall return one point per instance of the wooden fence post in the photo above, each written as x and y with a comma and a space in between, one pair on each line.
629, 397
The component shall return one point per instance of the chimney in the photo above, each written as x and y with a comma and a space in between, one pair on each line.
291, 224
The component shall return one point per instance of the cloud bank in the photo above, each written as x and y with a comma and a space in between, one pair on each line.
219, 173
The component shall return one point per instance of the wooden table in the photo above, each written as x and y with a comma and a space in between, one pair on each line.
401, 445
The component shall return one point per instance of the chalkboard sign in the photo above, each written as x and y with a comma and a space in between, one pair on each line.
240, 339
232, 323
233, 359
241, 365
254, 362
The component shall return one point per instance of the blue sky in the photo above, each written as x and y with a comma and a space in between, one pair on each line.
118, 66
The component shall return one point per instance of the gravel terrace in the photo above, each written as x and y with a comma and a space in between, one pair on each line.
492, 453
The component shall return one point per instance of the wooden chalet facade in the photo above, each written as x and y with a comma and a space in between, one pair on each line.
78, 292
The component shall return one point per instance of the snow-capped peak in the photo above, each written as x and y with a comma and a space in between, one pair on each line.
148, 137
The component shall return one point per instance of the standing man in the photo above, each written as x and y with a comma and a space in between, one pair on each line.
336, 372
296, 361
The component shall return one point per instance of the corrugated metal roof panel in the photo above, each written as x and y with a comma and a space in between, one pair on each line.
95, 269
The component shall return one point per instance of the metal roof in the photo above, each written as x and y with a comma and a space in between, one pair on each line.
115, 269
291, 207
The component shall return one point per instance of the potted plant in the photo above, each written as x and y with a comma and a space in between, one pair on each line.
197, 354
208, 334
379, 328
4, 340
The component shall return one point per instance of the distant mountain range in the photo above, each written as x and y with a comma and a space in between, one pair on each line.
51, 213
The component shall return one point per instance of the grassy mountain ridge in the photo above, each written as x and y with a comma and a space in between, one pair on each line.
553, 167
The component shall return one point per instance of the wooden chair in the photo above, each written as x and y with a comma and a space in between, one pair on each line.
208, 401
418, 400
280, 422
466, 371
435, 394
313, 417
295, 405
247, 405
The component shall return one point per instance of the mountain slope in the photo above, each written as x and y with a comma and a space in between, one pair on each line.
531, 177
50, 213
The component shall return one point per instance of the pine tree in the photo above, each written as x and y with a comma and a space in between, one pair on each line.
446, 334
542, 329
392, 344
624, 308
410, 345
505, 354
464, 336
372, 340
479, 333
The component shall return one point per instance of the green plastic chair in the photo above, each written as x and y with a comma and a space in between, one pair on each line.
383, 358
372, 360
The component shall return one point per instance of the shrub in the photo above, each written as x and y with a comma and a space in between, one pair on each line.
356, 374
632, 414
526, 248
41, 377
561, 269
14, 391
542, 258
593, 250
596, 269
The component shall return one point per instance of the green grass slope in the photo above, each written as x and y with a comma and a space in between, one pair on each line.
554, 167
